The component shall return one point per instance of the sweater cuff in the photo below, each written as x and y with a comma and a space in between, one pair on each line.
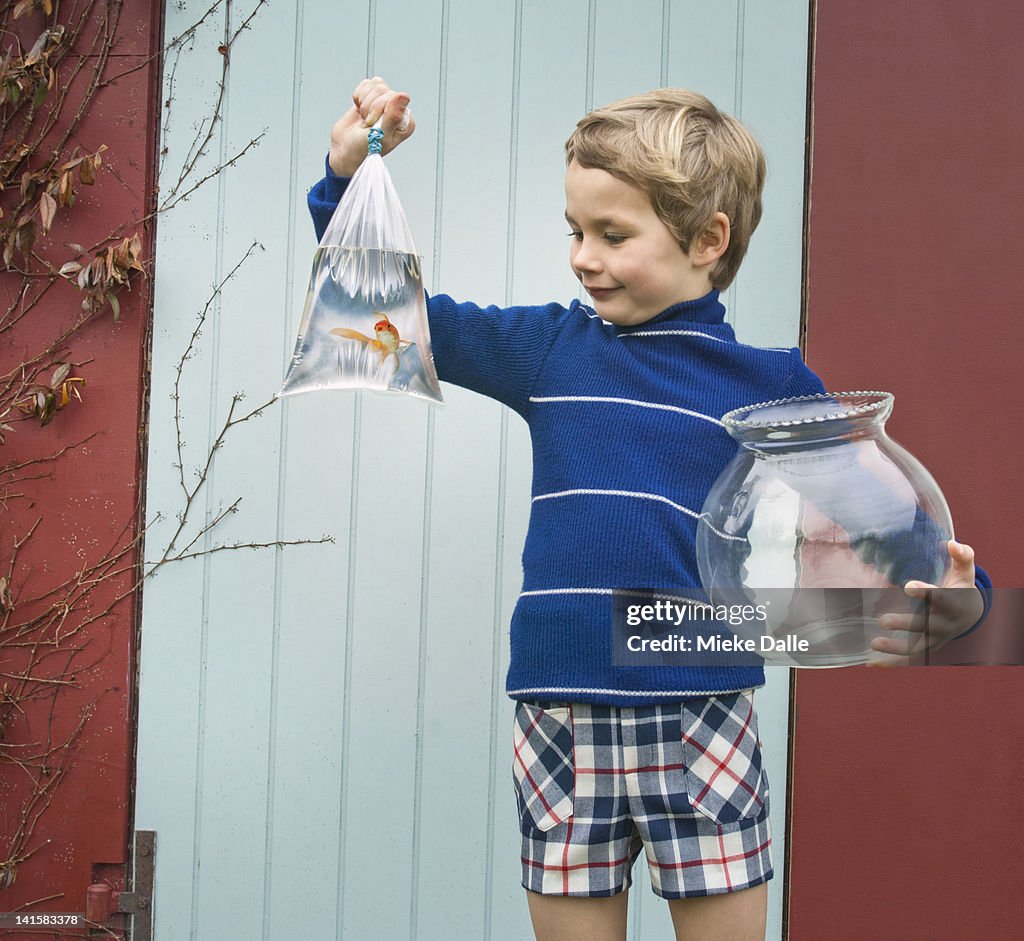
323, 199
334, 185
983, 583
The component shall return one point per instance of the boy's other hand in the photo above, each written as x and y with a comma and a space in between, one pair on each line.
947, 612
372, 99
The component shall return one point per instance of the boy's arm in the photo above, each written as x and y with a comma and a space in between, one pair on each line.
802, 380
324, 197
948, 612
498, 352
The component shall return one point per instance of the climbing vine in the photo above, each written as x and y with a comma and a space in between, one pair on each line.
61, 281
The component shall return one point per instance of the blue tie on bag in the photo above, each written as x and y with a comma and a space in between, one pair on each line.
364, 323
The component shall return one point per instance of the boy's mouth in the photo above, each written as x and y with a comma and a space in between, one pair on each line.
599, 294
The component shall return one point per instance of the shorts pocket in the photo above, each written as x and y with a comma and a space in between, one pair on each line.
725, 778
543, 765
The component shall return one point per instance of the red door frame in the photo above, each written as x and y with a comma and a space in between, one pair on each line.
905, 821
89, 503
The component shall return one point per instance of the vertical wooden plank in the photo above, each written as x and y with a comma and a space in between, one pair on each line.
319, 443
241, 586
172, 710
636, 27
459, 686
770, 97
504, 896
771, 100
552, 58
387, 613
702, 48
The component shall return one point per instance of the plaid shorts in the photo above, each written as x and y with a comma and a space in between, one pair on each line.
684, 782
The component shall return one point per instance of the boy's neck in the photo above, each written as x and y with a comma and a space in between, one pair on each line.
704, 309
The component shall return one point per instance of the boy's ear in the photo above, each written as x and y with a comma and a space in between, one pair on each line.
711, 244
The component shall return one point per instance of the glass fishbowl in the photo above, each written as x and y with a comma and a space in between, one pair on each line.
818, 522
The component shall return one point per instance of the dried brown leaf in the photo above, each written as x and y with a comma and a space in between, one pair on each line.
47, 210
48, 410
67, 191
36, 52
59, 375
26, 237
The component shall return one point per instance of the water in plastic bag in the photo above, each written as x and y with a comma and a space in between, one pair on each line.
364, 323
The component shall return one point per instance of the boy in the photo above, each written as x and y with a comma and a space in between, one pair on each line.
624, 401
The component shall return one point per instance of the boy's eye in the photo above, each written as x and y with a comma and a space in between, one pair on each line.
576, 235
614, 239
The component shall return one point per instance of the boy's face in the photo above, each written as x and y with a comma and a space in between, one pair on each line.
623, 254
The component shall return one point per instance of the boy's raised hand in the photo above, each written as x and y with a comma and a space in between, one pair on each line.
948, 612
372, 99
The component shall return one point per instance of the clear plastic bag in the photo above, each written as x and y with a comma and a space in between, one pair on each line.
364, 324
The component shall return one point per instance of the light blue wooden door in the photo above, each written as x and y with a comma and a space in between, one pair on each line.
323, 731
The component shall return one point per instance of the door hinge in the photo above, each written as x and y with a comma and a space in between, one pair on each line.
102, 902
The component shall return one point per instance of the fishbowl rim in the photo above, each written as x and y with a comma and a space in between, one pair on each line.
880, 408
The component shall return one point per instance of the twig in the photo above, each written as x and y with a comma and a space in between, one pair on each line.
187, 355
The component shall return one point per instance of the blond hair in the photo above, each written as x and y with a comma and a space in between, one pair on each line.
691, 159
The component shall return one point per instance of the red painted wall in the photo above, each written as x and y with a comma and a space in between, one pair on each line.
906, 820
89, 503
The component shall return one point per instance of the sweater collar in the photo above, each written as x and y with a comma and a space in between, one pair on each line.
707, 310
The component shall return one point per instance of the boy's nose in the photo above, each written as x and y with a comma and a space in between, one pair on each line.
584, 258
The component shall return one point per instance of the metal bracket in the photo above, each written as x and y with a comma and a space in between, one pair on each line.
139, 901
100, 902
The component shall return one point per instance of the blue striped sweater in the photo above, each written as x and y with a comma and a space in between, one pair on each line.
627, 441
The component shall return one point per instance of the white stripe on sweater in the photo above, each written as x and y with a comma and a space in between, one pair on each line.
567, 591
630, 592
680, 693
618, 401
672, 333
657, 497
697, 333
